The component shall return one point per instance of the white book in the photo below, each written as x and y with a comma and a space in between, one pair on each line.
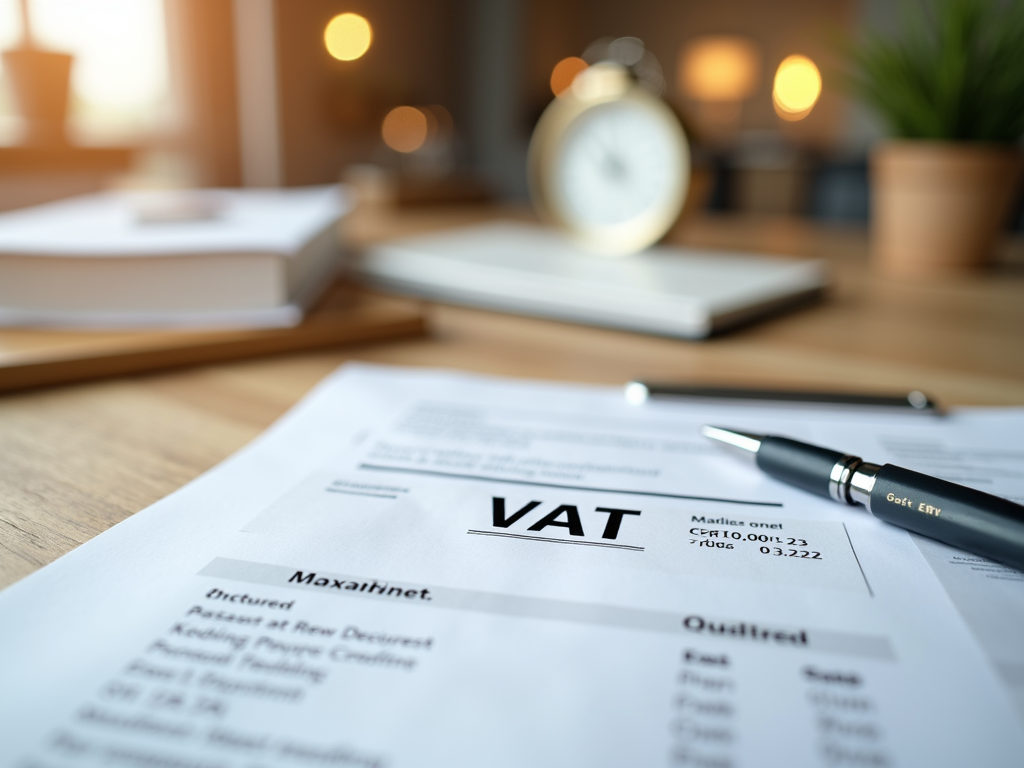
525, 268
220, 258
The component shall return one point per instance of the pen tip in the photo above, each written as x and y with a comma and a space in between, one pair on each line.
743, 440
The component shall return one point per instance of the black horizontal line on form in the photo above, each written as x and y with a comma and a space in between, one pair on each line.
362, 493
455, 476
556, 541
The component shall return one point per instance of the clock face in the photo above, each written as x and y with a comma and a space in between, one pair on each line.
618, 162
609, 165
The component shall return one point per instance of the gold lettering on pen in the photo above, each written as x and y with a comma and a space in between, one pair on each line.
904, 501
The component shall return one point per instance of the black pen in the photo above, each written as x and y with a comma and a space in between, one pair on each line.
953, 514
638, 392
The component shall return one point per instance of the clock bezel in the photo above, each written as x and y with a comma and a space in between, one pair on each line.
548, 143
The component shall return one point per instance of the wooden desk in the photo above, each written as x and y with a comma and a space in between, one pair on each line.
75, 460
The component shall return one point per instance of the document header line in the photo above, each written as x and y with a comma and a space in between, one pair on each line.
458, 476
556, 541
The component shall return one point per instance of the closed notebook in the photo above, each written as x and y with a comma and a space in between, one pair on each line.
529, 269
242, 258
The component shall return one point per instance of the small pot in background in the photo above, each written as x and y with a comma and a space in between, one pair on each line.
39, 81
938, 207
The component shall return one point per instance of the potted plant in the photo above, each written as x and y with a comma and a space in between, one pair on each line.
951, 88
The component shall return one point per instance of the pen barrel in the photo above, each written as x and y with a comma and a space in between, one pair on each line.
805, 466
953, 514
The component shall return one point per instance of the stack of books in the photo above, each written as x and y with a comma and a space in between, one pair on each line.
209, 258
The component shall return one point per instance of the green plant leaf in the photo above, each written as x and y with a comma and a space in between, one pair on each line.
955, 73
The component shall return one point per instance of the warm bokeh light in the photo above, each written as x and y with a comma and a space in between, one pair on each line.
440, 123
797, 87
719, 68
348, 36
405, 129
565, 72
442, 119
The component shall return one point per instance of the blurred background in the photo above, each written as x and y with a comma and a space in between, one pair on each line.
443, 94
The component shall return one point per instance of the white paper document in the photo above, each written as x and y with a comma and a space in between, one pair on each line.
419, 568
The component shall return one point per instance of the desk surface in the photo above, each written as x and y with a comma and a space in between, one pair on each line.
78, 459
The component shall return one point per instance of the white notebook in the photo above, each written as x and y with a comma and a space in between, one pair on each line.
532, 270
239, 257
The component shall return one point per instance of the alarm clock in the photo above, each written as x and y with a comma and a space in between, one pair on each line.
609, 163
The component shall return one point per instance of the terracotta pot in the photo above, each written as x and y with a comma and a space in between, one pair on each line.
39, 81
938, 208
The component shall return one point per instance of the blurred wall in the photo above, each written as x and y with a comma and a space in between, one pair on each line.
200, 36
331, 110
559, 28
444, 51
487, 61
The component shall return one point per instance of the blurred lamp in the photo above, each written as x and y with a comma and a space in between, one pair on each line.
719, 68
348, 36
797, 87
565, 72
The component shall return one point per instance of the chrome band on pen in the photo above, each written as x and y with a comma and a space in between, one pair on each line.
840, 476
863, 483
